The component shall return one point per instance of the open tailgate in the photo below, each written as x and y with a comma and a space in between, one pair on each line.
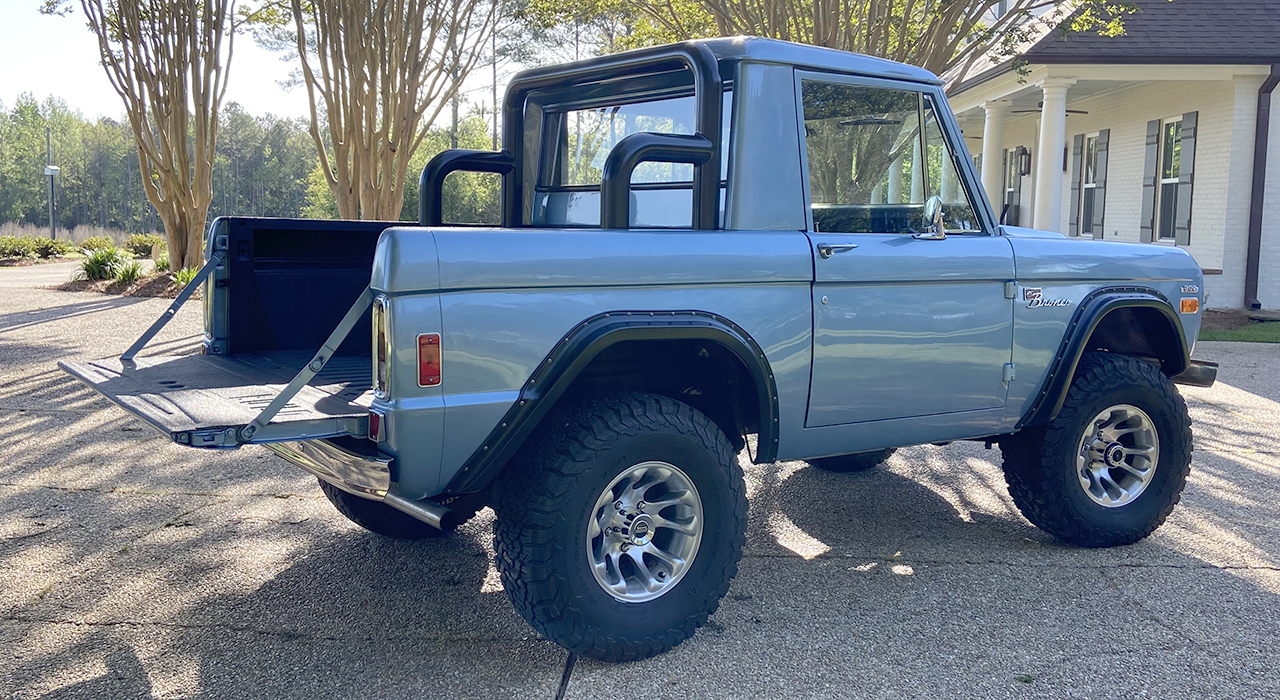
208, 400
227, 401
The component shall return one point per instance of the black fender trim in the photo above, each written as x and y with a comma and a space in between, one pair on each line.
1088, 315
579, 347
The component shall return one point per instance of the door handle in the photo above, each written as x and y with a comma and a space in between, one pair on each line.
826, 250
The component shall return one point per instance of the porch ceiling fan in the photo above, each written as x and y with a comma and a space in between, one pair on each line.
1039, 106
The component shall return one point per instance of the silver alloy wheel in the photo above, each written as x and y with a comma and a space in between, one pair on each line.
644, 531
1118, 454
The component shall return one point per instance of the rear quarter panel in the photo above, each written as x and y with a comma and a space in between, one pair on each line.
506, 298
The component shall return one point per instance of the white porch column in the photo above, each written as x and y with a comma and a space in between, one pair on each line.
1053, 138
917, 173
993, 151
895, 180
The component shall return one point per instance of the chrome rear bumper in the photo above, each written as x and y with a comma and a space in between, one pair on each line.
367, 475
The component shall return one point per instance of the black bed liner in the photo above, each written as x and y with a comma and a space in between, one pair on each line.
195, 399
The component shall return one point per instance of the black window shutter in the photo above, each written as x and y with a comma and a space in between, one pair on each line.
1100, 189
1149, 182
1186, 178
1077, 152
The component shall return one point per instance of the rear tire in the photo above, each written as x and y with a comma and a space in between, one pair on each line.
859, 462
575, 559
381, 518
1111, 467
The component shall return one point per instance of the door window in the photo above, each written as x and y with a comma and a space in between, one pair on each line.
944, 176
863, 146
872, 166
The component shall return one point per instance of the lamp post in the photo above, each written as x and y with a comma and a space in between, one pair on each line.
52, 171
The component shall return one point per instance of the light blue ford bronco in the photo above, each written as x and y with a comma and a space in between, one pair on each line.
707, 247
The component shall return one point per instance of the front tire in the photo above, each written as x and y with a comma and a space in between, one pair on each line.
620, 527
1111, 467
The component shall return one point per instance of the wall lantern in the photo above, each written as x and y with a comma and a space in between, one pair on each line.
1024, 160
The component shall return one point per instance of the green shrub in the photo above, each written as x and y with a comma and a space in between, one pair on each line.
184, 276
103, 263
162, 265
97, 243
17, 247
49, 248
141, 244
129, 271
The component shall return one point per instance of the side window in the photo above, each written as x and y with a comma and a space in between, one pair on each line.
863, 147
590, 134
579, 141
870, 170
944, 177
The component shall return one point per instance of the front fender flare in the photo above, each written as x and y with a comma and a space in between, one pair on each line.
580, 346
1053, 392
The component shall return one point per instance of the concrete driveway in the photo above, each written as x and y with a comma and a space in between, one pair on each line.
130, 567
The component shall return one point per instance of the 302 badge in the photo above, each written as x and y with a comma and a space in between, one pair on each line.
1034, 296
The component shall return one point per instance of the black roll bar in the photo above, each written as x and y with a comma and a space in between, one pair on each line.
431, 185
708, 95
615, 182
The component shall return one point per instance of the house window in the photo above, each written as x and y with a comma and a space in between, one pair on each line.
1009, 212
1016, 164
1170, 160
1089, 185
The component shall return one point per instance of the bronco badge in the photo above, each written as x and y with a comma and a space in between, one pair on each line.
1035, 298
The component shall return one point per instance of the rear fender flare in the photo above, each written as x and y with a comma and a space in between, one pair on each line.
1053, 392
580, 346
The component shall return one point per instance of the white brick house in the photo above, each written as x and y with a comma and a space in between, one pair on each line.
1146, 137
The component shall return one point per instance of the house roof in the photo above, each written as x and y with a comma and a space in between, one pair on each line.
1157, 32
1181, 31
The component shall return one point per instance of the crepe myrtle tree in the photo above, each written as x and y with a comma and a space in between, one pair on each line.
938, 35
378, 73
169, 61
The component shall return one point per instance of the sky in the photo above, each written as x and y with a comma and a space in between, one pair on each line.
59, 56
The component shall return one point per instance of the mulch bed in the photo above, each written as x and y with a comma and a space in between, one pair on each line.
160, 285
1224, 320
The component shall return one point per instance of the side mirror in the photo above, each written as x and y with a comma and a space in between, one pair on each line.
936, 231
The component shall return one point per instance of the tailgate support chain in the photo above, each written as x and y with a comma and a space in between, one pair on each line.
212, 263
313, 367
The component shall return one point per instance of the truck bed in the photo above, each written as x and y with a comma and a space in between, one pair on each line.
192, 397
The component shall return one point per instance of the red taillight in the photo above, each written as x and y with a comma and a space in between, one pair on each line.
429, 359
377, 431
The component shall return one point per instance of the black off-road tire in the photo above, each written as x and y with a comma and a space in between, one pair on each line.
859, 462
381, 518
547, 498
1040, 463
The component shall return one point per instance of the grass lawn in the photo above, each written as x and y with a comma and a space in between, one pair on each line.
1256, 332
